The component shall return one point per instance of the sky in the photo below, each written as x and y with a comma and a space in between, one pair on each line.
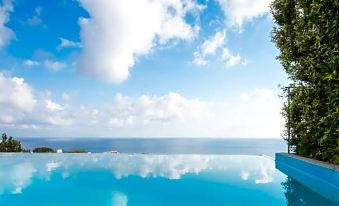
139, 68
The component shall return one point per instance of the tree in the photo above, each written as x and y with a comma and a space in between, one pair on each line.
8, 144
43, 150
307, 34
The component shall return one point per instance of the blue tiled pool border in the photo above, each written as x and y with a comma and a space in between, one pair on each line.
321, 177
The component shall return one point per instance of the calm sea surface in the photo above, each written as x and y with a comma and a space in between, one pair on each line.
248, 146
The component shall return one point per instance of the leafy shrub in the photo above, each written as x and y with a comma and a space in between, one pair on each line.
307, 34
8, 144
43, 150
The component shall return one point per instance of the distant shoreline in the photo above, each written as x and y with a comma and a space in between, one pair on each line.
66, 138
246, 146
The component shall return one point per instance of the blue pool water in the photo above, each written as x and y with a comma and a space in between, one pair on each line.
148, 180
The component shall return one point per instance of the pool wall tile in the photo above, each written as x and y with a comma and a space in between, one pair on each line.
320, 177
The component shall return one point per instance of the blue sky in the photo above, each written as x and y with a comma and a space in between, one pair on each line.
139, 68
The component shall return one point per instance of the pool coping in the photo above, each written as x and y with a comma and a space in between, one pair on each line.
311, 161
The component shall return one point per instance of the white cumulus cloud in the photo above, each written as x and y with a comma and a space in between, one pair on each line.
48, 64
65, 43
230, 59
212, 44
239, 11
22, 108
117, 32
15, 94
215, 45
199, 59
31, 63
6, 34
54, 65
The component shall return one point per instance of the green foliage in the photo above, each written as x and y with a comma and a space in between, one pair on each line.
8, 144
307, 34
75, 151
43, 150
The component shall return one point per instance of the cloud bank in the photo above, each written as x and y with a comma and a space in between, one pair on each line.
253, 113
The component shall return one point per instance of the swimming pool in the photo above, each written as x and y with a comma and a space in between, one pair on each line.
124, 179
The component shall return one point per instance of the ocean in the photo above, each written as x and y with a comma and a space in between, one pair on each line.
237, 146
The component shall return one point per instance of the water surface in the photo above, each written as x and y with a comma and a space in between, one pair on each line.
248, 146
152, 180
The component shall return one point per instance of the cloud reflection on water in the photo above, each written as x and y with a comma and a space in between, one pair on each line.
18, 170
